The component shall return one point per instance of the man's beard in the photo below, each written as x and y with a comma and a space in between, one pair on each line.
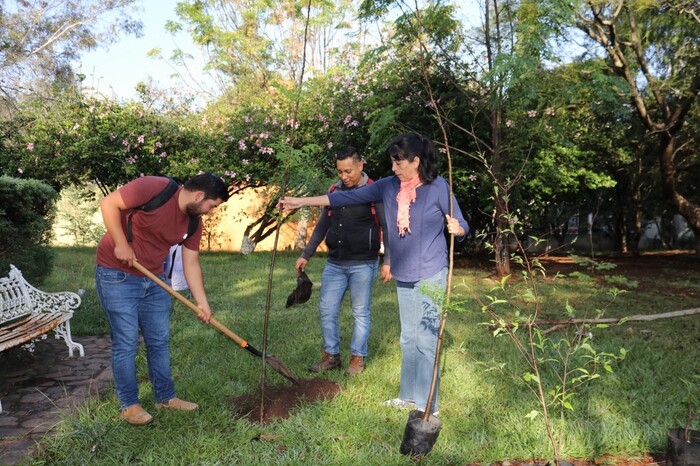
193, 209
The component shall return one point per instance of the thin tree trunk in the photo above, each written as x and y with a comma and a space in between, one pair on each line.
302, 229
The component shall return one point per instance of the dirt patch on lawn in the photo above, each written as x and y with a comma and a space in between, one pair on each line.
653, 271
281, 400
605, 460
661, 272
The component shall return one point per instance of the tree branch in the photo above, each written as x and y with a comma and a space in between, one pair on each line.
557, 324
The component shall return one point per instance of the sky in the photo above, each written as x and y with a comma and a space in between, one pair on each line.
115, 71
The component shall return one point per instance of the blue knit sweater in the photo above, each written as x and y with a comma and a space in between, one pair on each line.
423, 252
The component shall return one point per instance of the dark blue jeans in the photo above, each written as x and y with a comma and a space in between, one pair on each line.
132, 303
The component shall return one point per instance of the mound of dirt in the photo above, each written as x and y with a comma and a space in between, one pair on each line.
280, 400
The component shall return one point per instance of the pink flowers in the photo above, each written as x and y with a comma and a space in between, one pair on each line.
30, 146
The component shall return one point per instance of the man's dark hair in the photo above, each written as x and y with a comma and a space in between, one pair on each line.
346, 152
211, 185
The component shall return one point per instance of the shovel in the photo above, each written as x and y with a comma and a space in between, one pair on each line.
273, 361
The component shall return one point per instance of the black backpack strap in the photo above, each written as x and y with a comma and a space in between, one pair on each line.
155, 202
191, 228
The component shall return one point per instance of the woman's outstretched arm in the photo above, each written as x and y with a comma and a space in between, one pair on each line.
291, 203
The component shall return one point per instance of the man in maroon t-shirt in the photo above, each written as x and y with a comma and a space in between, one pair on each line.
133, 302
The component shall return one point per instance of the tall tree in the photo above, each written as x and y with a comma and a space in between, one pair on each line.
653, 46
255, 42
40, 38
261, 48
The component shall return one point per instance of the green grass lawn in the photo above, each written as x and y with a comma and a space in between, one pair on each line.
625, 413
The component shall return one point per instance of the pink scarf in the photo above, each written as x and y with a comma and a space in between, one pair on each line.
406, 195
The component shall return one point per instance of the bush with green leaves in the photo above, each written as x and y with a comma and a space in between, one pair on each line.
27, 210
557, 357
75, 211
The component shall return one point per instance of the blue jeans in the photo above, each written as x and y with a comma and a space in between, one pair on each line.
132, 303
420, 322
335, 280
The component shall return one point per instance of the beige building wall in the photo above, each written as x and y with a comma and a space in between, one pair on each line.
242, 209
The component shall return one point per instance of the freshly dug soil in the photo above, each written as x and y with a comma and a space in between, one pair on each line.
280, 400
606, 460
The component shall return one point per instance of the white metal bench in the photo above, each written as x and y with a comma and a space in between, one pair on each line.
28, 314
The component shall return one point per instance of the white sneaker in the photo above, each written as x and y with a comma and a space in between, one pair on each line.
399, 403
435, 413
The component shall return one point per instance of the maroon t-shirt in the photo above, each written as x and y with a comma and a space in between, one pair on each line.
154, 232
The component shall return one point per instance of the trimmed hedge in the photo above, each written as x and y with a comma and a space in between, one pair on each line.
27, 212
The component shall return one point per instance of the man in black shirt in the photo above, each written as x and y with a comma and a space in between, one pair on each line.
353, 237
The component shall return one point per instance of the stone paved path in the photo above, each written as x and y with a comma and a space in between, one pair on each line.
35, 388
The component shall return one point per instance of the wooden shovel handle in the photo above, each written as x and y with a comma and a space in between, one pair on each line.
241, 342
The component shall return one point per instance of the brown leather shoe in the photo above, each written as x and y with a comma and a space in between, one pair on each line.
356, 366
328, 362
178, 404
136, 415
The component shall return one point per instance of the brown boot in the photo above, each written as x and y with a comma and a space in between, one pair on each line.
328, 362
136, 415
178, 404
356, 366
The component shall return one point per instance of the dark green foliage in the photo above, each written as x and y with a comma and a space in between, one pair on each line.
26, 220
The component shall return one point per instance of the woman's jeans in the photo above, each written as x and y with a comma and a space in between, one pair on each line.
132, 303
335, 280
420, 322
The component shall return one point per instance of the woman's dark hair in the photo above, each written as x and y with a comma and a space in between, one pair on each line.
212, 186
408, 147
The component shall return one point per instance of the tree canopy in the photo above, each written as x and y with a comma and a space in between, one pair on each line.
551, 111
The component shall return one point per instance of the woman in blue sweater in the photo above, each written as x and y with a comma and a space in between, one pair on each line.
417, 209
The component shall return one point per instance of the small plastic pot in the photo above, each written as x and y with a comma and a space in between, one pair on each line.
680, 452
420, 436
